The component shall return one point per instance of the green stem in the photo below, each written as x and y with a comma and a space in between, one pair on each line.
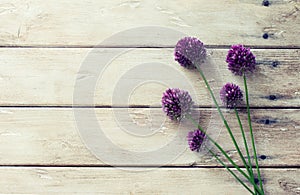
250, 171
224, 120
232, 173
251, 134
223, 152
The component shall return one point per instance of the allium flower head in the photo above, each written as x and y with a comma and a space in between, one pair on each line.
176, 103
189, 52
231, 95
195, 139
240, 59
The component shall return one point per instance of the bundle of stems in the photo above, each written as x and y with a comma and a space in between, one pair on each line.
190, 53
248, 165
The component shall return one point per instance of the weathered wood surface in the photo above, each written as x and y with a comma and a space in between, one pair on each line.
87, 23
46, 77
38, 129
40, 180
30, 136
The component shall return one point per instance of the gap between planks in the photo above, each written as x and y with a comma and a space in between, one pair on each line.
143, 106
147, 166
258, 47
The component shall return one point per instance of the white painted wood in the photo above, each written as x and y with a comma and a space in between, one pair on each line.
31, 136
89, 22
210, 181
46, 145
47, 77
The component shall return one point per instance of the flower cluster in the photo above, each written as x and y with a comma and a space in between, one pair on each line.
189, 52
176, 103
240, 60
231, 95
195, 139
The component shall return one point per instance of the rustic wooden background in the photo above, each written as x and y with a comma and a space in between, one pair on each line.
43, 44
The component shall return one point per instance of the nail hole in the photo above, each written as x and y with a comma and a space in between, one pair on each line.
263, 157
256, 180
275, 63
267, 121
265, 3
272, 97
265, 36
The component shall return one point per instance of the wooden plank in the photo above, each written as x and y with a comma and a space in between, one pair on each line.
139, 181
31, 136
89, 22
46, 77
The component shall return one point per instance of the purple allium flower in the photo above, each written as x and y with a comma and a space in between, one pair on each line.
176, 103
240, 59
189, 52
195, 139
231, 95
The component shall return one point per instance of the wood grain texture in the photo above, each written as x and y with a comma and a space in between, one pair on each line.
46, 77
89, 22
48, 147
49, 137
139, 181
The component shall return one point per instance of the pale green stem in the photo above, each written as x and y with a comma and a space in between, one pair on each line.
251, 134
224, 153
232, 173
245, 143
224, 120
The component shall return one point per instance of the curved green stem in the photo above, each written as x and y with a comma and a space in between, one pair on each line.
250, 171
224, 153
251, 133
224, 120
232, 173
